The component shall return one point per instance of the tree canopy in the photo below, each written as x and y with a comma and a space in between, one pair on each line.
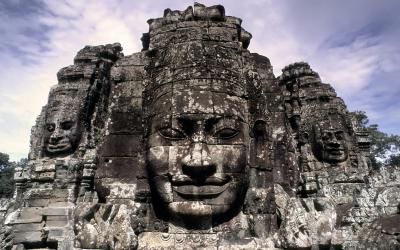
7, 174
385, 148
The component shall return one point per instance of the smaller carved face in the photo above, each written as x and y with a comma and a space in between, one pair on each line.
62, 132
331, 143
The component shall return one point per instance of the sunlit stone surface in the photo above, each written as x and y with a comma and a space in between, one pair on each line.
193, 143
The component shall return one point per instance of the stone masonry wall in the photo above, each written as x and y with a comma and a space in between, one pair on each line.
194, 143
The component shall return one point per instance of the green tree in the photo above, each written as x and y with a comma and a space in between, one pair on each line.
4, 161
385, 149
6, 176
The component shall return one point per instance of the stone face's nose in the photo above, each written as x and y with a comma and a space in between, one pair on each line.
333, 142
56, 135
197, 163
199, 137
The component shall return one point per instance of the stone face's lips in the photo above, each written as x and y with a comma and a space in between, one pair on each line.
210, 187
57, 147
217, 180
199, 192
335, 151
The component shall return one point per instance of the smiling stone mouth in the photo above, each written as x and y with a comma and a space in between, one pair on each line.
210, 187
335, 151
57, 146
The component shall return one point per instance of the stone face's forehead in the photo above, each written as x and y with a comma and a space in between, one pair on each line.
234, 105
63, 108
199, 102
333, 122
188, 101
66, 98
63, 113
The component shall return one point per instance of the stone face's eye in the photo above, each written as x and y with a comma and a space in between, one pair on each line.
171, 133
226, 133
325, 136
339, 135
50, 127
66, 125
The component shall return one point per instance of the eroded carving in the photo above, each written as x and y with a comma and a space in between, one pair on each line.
63, 123
330, 139
194, 143
197, 160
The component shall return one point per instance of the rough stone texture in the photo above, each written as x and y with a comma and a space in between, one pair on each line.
194, 143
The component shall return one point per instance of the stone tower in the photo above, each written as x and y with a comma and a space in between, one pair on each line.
194, 143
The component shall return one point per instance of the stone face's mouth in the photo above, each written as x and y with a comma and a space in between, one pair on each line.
58, 147
192, 189
335, 151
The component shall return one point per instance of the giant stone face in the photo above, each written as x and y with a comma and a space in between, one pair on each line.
62, 131
331, 140
197, 155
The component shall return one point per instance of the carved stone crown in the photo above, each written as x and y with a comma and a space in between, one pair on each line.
197, 23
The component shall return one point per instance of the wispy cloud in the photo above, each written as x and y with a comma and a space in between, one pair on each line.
352, 44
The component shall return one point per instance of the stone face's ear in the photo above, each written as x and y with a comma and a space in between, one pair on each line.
304, 138
295, 122
258, 155
259, 130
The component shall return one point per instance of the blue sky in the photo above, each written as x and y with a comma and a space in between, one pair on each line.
353, 44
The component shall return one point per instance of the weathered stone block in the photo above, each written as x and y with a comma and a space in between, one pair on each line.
126, 123
122, 145
28, 227
29, 215
124, 169
57, 223
29, 236
54, 211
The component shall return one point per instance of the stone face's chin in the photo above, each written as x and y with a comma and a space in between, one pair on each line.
194, 209
190, 212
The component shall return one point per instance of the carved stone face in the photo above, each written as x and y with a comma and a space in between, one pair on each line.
331, 141
62, 132
197, 156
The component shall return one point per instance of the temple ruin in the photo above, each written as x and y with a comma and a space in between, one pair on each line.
194, 143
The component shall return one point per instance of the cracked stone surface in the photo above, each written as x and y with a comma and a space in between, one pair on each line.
194, 143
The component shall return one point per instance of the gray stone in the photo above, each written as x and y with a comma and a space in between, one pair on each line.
28, 236
194, 143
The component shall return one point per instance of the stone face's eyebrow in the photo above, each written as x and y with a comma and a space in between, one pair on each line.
161, 120
233, 117
211, 117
